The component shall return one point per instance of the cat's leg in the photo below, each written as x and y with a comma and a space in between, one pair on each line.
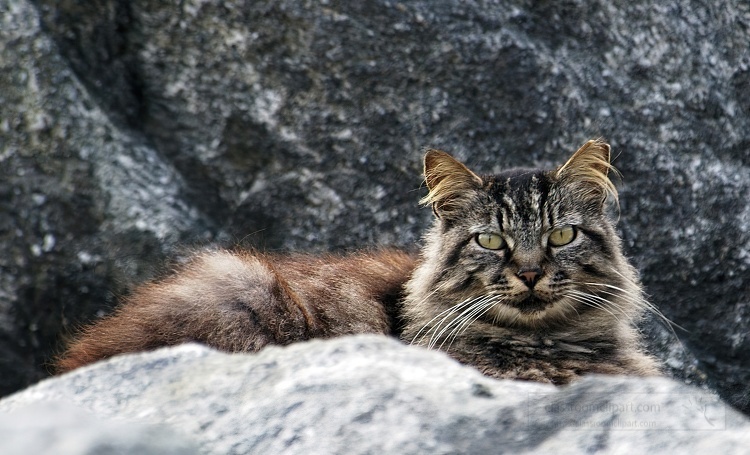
230, 301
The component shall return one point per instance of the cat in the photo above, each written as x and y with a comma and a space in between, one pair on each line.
522, 275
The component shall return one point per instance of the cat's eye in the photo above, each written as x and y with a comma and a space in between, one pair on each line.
490, 241
562, 236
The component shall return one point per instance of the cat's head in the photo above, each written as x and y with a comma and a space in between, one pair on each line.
527, 247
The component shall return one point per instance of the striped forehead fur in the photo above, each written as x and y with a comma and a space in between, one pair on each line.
587, 171
590, 166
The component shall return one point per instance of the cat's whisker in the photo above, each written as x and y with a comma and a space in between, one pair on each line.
631, 297
466, 321
586, 300
571, 306
481, 310
638, 296
636, 301
476, 302
642, 303
595, 301
478, 314
617, 272
616, 305
444, 314
437, 330
470, 311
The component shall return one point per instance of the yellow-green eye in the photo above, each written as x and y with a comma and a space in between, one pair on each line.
490, 241
562, 236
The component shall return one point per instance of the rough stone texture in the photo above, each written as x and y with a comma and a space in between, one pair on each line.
371, 394
56, 428
133, 126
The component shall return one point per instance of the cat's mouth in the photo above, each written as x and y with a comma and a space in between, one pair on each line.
531, 304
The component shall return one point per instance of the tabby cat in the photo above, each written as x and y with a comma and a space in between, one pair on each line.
521, 276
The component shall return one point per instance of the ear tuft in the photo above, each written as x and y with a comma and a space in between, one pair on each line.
588, 171
448, 180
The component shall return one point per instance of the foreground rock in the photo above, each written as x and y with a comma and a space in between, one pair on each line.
371, 394
132, 127
55, 428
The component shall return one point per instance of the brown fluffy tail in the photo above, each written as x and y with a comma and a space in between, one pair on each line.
238, 301
229, 301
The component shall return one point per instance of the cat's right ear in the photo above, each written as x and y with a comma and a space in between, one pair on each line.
448, 181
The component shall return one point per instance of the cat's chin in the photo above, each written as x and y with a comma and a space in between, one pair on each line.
532, 312
532, 305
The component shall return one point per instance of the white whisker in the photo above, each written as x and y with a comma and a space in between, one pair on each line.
465, 321
443, 314
477, 301
593, 301
640, 302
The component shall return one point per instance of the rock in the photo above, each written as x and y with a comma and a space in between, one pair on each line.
369, 394
85, 204
129, 129
56, 428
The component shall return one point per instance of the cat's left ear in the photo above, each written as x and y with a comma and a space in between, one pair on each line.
587, 172
448, 180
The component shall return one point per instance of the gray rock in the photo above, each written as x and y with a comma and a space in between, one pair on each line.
133, 127
370, 394
83, 202
57, 428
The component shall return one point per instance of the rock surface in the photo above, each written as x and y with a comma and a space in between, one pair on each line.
57, 428
136, 126
369, 394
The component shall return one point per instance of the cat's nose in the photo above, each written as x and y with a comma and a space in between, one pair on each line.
529, 275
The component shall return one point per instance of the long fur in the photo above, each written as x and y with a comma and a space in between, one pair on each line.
448, 180
240, 301
589, 170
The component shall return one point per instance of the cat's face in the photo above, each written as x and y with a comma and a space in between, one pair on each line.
526, 247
